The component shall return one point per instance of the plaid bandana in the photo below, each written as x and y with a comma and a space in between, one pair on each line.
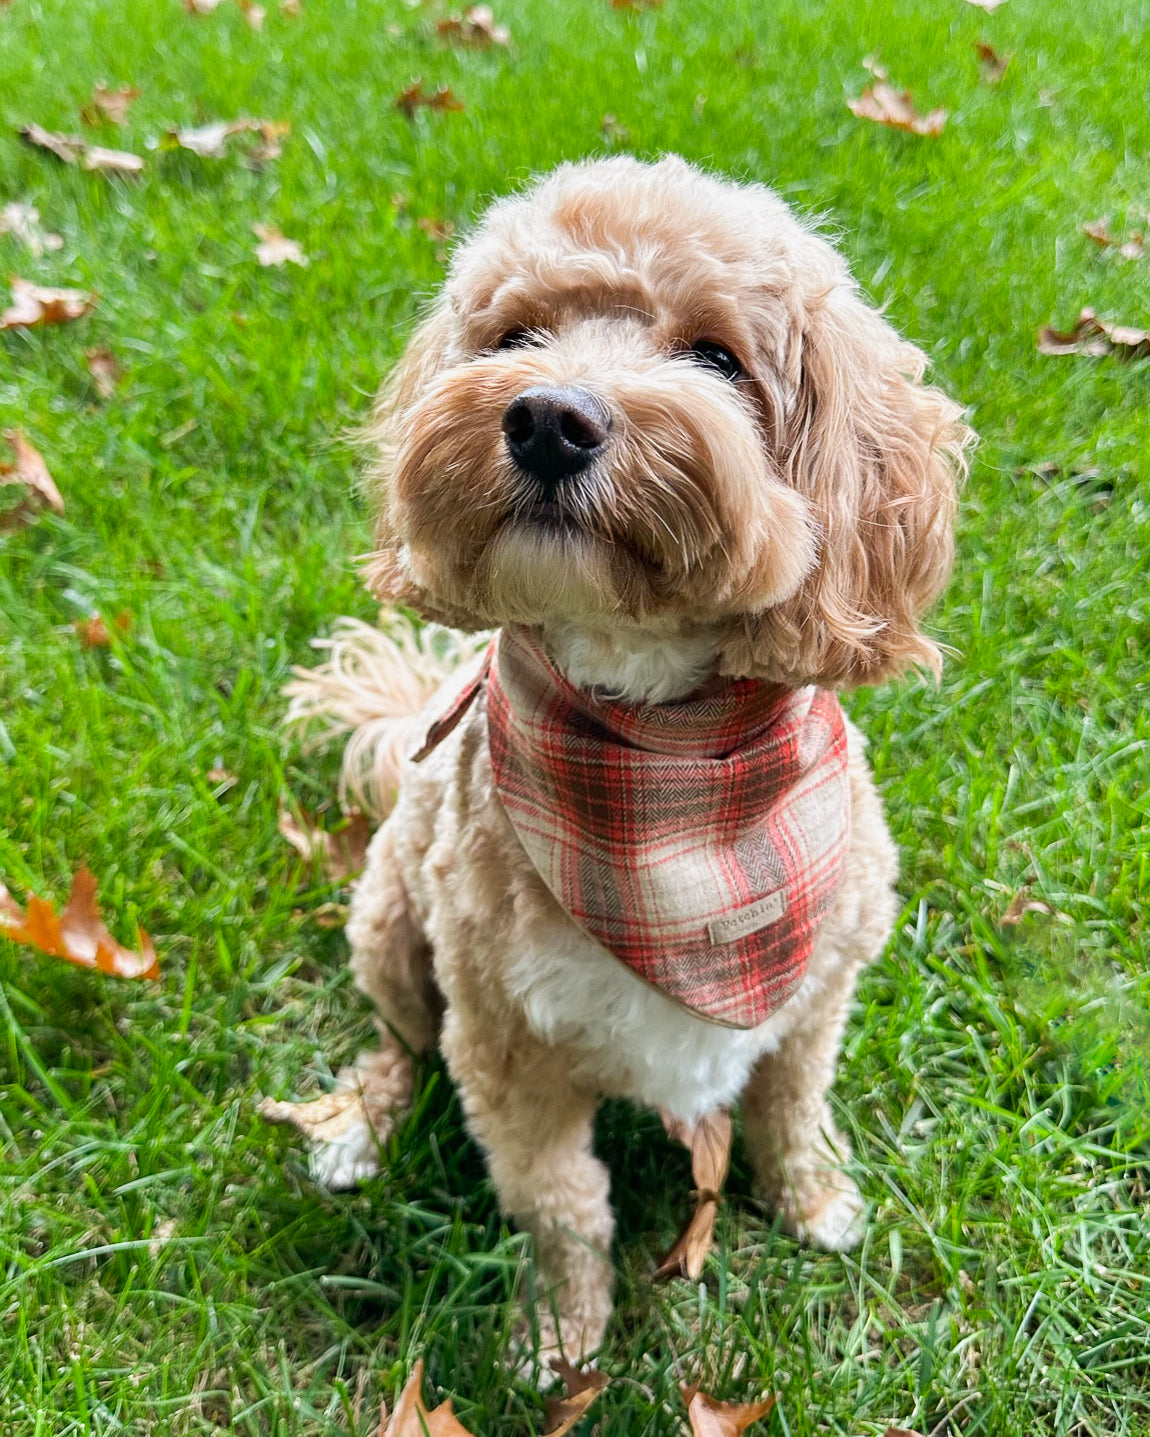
700, 842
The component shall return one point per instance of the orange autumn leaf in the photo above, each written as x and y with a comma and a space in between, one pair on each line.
993, 64
416, 97
94, 632
885, 105
711, 1418
34, 304
412, 1419
78, 934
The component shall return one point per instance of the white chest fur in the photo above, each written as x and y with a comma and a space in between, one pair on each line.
628, 1040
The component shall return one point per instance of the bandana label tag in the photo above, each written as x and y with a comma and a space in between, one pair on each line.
733, 926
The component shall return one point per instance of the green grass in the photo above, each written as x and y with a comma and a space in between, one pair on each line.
165, 1266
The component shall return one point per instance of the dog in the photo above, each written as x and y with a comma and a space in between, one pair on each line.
652, 435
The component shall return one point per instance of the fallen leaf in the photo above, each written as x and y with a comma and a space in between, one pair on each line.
582, 1389
210, 141
22, 222
104, 371
1094, 336
900, 1432
474, 27
709, 1143
202, 7
108, 106
94, 632
1099, 231
254, 14
436, 229
416, 97
291, 8
636, 4
74, 149
341, 853
222, 777
988, 5
993, 64
30, 470
161, 1235
78, 935
885, 105
275, 248
613, 132
1020, 905
412, 1419
34, 305
711, 1418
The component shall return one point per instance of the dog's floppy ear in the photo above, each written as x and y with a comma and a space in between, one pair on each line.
386, 571
878, 456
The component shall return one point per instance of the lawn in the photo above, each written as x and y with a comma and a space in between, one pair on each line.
165, 1264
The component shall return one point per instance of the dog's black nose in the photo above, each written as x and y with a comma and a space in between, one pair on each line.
553, 433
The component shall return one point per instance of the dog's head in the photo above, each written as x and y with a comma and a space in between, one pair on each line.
648, 396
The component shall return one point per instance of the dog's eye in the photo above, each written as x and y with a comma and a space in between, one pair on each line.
706, 351
517, 339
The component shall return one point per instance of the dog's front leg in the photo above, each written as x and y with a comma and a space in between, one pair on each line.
799, 1155
534, 1125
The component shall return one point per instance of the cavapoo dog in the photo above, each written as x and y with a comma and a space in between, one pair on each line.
653, 436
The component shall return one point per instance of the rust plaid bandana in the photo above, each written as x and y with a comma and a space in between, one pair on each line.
700, 842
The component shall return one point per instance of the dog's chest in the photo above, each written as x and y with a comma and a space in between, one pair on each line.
626, 1039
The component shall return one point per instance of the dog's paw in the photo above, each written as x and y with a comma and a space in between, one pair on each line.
344, 1142
838, 1221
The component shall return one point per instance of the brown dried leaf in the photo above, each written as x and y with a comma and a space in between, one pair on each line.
291, 8
341, 854
30, 470
1094, 336
73, 150
210, 141
94, 632
582, 1389
712, 1418
416, 97
78, 935
23, 223
68, 148
475, 27
1020, 905
275, 248
709, 1142
885, 105
1099, 231
104, 371
108, 106
993, 64
34, 305
412, 1419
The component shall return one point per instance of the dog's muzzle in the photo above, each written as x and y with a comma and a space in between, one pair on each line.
553, 433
